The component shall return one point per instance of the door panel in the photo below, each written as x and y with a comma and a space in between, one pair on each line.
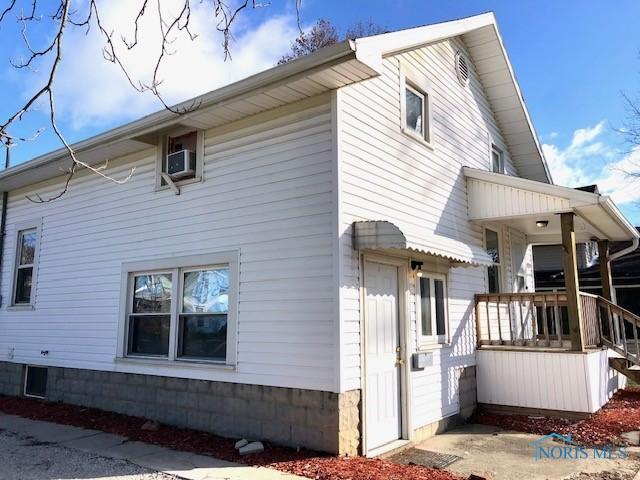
382, 371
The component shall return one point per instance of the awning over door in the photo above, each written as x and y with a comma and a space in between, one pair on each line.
526, 205
383, 235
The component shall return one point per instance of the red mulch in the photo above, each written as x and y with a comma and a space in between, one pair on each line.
304, 462
621, 414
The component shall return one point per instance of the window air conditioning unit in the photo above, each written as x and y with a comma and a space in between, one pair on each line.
181, 164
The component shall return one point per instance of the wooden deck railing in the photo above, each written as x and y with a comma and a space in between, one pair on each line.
541, 320
620, 329
523, 319
537, 319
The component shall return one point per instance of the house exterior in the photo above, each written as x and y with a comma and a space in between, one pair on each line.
312, 257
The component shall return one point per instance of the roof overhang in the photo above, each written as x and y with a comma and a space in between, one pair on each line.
330, 68
484, 43
521, 203
385, 236
322, 71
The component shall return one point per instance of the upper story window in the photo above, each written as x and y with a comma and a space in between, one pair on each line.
25, 267
432, 309
415, 104
492, 245
180, 158
182, 313
497, 160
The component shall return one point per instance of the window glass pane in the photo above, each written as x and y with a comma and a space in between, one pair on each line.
414, 113
204, 336
27, 247
149, 334
425, 306
206, 291
494, 279
438, 287
492, 245
496, 161
23, 285
36, 384
152, 293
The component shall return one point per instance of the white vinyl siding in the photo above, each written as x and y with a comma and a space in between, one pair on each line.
385, 175
268, 192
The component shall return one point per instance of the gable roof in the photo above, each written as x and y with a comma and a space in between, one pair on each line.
330, 68
482, 38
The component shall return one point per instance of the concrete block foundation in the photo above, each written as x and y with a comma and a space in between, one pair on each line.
323, 421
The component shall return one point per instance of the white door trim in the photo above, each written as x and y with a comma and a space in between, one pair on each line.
402, 263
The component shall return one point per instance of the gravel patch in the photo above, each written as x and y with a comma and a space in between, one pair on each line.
22, 458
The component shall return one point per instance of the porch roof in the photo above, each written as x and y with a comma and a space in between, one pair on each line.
384, 235
494, 197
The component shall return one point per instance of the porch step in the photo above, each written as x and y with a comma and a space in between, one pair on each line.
626, 368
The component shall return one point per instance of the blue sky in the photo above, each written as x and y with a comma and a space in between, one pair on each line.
572, 59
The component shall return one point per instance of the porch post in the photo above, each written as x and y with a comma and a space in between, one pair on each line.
606, 277
572, 286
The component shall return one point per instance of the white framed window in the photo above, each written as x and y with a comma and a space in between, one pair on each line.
492, 245
497, 159
415, 104
180, 157
432, 311
26, 265
181, 309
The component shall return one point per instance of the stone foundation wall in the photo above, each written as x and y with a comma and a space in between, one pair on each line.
11, 378
317, 420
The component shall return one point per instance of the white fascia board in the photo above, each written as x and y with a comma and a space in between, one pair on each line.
390, 43
522, 103
615, 213
578, 197
342, 51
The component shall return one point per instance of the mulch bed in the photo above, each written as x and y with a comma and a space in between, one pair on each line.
304, 462
621, 414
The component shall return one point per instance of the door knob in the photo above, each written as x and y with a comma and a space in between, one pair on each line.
399, 362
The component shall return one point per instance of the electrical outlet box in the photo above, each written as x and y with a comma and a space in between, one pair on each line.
422, 360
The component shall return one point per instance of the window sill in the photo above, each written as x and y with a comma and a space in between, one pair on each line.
178, 363
414, 136
180, 183
15, 308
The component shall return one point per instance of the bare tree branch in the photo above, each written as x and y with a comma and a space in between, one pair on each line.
225, 12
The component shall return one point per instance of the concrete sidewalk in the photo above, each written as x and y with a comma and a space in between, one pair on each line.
506, 455
182, 464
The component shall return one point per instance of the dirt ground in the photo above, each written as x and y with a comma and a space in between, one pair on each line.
22, 458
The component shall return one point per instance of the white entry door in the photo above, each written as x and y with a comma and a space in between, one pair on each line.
383, 424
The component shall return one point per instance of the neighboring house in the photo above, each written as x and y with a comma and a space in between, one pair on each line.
625, 272
320, 279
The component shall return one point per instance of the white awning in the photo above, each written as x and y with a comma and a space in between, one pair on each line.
522, 203
383, 235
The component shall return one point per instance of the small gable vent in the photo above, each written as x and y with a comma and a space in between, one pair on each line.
462, 69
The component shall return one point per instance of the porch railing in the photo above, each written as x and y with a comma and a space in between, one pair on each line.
538, 319
620, 329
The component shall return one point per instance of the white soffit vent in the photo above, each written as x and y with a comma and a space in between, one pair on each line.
462, 69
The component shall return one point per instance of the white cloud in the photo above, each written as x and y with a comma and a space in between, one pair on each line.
91, 91
588, 160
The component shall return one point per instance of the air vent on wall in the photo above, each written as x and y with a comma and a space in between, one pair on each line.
462, 69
